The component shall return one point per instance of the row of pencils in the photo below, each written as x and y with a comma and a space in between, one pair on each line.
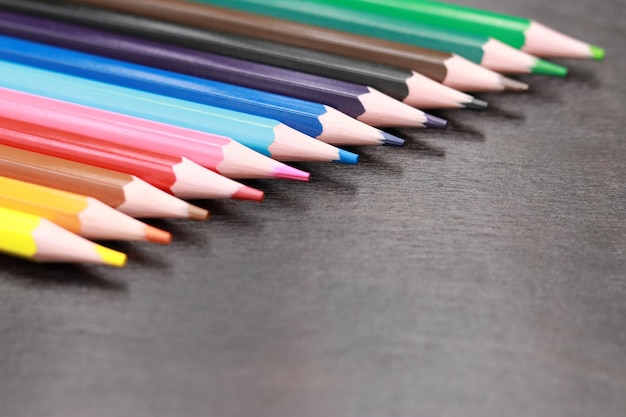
116, 110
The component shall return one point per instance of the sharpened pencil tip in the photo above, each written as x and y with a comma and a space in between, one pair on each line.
548, 68
435, 122
476, 104
289, 173
346, 157
248, 193
391, 140
197, 213
596, 52
111, 257
510, 84
157, 235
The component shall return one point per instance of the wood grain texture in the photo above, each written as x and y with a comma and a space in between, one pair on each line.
478, 272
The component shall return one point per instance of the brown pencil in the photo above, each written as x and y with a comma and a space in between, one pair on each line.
124, 192
449, 69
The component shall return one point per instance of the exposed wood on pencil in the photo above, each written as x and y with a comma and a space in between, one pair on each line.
356, 17
313, 119
437, 65
519, 32
358, 101
37, 239
79, 214
177, 175
257, 133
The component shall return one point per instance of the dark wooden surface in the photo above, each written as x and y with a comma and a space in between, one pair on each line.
476, 272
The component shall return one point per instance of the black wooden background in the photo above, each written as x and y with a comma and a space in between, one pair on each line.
478, 272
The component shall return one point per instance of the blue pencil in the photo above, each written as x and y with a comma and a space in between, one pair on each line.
266, 136
313, 119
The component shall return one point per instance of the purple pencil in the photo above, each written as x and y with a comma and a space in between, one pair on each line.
361, 102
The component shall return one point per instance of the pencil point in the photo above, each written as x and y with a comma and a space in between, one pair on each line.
476, 104
510, 84
391, 140
548, 68
435, 122
289, 173
248, 193
157, 235
346, 157
596, 52
543, 41
111, 257
197, 213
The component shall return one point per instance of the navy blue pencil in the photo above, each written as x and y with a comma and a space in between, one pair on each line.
313, 119
358, 101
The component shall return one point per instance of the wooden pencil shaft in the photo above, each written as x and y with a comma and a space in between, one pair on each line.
266, 136
62, 201
171, 51
480, 49
389, 80
206, 149
64, 219
426, 61
327, 14
68, 131
103, 184
507, 28
299, 114
154, 168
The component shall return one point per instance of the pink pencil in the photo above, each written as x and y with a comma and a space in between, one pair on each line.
218, 153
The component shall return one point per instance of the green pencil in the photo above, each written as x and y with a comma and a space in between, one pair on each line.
522, 33
483, 50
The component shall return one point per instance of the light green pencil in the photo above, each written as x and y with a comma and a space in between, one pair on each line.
521, 33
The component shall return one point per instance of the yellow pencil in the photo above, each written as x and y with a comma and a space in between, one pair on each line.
32, 237
85, 216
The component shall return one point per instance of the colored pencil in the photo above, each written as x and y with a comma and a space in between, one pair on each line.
358, 101
313, 119
406, 85
266, 136
37, 239
79, 214
522, 33
123, 192
217, 153
486, 51
449, 69
179, 176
